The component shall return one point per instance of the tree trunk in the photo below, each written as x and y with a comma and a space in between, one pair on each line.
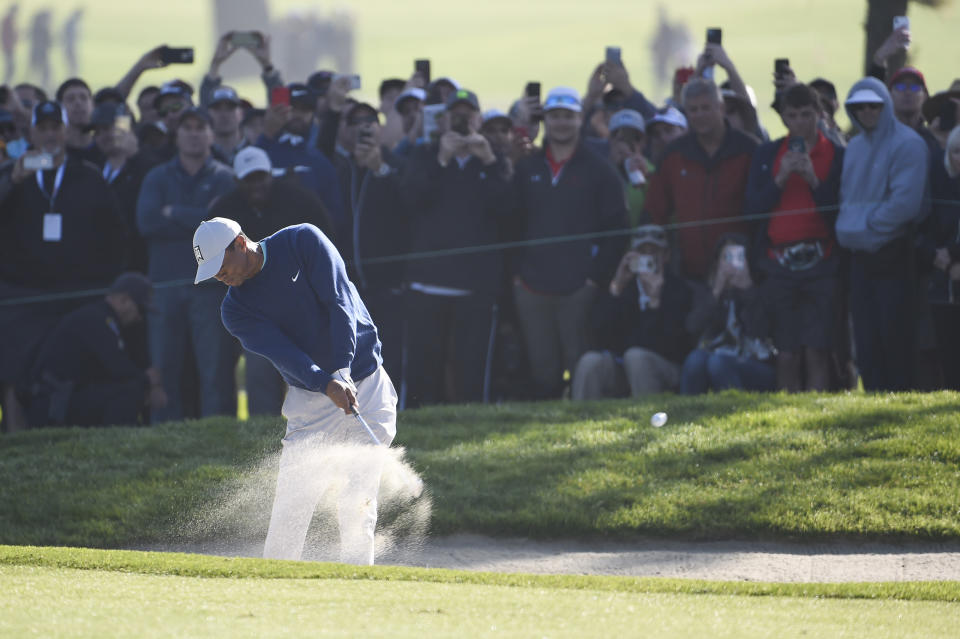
879, 26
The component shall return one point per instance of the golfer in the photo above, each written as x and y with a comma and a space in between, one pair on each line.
290, 301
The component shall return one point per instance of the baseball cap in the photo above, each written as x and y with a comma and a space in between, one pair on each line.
463, 96
495, 114
6, 117
172, 88
670, 115
562, 98
649, 234
251, 159
252, 114
414, 93
864, 96
902, 71
137, 286
225, 94
627, 118
105, 114
302, 95
319, 81
934, 104
210, 241
47, 111
822, 84
108, 94
194, 112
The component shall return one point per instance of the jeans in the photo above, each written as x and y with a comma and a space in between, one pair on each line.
704, 370
187, 315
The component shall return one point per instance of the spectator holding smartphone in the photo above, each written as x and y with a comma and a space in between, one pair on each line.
456, 196
881, 201
713, 157
796, 180
258, 44
734, 350
77, 100
641, 325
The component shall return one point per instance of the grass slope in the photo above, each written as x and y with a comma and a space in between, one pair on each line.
730, 465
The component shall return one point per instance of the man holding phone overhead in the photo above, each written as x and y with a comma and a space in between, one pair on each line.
796, 180
257, 44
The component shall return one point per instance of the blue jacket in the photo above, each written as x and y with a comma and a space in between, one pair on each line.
884, 179
302, 313
170, 239
317, 174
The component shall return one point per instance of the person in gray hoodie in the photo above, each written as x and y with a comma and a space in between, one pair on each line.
882, 198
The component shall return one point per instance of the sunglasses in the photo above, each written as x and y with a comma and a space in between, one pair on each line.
912, 88
173, 107
866, 105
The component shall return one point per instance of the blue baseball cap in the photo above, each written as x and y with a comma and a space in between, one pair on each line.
563, 98
627, 119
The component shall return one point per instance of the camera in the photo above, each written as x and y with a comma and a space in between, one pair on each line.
797, 144
714, 35
643, 263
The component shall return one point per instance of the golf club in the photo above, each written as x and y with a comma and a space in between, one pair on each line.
363, 422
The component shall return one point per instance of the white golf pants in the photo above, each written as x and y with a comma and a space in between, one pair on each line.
325, 449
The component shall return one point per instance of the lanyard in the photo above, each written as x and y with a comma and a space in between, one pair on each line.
57, 181
109, 173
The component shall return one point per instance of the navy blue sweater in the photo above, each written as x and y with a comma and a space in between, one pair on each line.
302, 313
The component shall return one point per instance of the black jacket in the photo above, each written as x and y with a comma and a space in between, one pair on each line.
587, 198
621, 324
941, 229
87, 347
92, 247
288, 203
126, 188
453, 208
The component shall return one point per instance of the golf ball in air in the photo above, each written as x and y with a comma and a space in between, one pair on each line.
658, 420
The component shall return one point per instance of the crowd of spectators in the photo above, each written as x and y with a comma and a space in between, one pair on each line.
589, 246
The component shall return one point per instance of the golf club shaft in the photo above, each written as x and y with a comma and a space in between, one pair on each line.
364, 423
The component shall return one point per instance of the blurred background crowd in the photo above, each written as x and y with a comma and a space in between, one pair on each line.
585, 242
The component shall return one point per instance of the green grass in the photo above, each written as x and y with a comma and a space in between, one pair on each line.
81, 593
495, 47
732, 465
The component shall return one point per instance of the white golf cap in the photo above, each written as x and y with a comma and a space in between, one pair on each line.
864, 96
210, 240
495, 114
562, 98
250, 159
671, 115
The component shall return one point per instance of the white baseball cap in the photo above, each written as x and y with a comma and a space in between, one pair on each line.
671, 115
210, 241
250, 159
864, 96
562, 98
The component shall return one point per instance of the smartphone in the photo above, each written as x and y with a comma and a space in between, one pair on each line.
901, 22
423, 68
38, 162
354, 80
948, 115
797, 144
280, 95
431, 119
643, 263
714, 35
613, 56
246, 39
176, 55
736, 256
781, 66
532, 90
123, 123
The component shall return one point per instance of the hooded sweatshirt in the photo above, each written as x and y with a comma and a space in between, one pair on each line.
884, 179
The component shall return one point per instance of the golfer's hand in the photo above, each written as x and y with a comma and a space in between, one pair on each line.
342, 394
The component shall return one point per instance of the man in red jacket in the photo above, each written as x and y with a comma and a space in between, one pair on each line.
701, 182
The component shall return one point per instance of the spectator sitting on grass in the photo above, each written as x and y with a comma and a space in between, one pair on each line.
734, 349
641, 321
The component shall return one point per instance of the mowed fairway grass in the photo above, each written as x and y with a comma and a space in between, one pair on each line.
731, 465
150, 595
